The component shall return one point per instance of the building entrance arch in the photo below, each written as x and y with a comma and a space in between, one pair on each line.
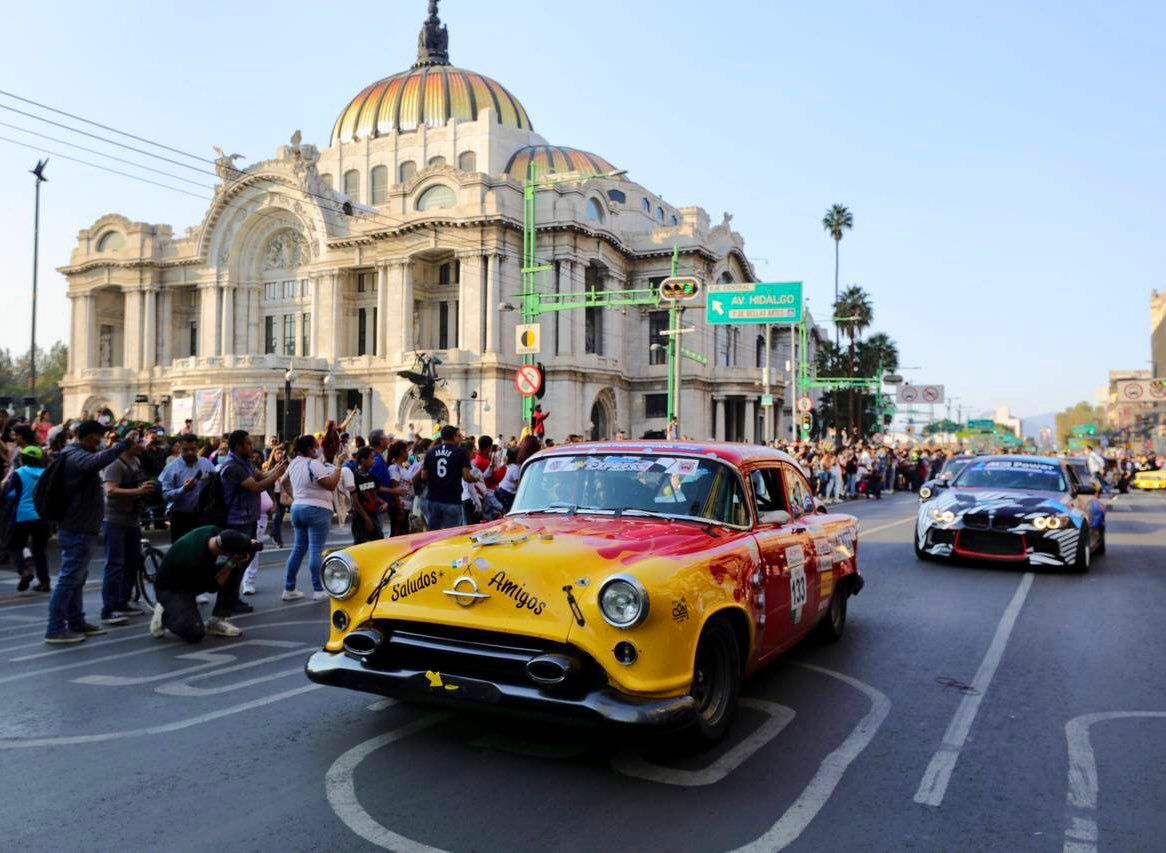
603, 415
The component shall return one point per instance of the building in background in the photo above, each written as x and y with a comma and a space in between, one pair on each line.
403, 235
1120, 414
1158, 333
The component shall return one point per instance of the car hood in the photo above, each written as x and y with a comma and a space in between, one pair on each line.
1018, 502
510, 575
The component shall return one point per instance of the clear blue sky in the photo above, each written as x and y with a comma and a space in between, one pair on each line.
1003, 161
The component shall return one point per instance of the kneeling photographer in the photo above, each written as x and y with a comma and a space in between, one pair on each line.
192, 566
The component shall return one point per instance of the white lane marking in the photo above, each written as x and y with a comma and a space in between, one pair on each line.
938, 774
1081, 833
634, 764
888, 525
210, 661
144, 634
156, 646
183, 687
340, 787
806, 807
73, 740
381, 704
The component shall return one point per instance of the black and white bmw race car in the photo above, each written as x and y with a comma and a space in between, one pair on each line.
1030, 509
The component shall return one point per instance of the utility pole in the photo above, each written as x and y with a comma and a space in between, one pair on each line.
39, 172
766, 411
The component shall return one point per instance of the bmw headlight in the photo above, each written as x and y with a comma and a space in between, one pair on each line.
623, 601
339, 575
1050, 522
946, 516
925, 492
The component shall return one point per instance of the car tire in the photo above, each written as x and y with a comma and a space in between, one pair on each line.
833, 626
1100, 541
1081, 560
920, 554
716, 683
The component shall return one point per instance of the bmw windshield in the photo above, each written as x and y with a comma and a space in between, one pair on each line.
633, 484
1029, 475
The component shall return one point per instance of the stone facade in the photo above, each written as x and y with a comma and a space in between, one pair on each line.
343, 262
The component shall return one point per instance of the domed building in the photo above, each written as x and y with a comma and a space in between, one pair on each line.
327, 270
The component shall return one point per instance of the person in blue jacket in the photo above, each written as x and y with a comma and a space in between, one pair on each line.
29, 529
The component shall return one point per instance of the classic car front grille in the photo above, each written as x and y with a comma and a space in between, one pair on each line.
488, 655
990, 543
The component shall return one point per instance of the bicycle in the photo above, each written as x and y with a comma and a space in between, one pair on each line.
147, 571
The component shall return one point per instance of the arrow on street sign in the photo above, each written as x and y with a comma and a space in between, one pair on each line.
754, 302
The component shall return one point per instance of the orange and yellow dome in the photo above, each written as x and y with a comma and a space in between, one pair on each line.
427, 95
555, 158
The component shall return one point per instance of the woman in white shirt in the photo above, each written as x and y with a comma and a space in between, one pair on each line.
312, 483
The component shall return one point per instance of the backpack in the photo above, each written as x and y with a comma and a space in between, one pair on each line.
212, 503
51, 498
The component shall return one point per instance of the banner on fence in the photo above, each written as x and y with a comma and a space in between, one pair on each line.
208, 411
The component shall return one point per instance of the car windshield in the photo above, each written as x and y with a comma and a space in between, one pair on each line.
676, 487
1012, 474
952, 467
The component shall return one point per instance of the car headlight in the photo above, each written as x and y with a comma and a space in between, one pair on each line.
925, 492
946, 516
623, 601
1050, 522
339, 575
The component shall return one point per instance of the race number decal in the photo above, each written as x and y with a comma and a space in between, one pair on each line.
797, 591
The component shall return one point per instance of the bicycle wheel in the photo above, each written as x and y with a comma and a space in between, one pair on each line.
151, 559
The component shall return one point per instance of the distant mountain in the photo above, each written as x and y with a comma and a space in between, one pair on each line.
1033, 424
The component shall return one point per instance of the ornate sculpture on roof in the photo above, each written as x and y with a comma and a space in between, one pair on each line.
433, 40
225, 166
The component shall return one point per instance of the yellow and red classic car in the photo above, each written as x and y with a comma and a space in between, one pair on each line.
632, 582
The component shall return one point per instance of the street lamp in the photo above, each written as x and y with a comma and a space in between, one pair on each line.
39, 172
505, 306
288, 378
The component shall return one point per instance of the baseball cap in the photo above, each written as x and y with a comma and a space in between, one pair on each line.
33, 452
234, 542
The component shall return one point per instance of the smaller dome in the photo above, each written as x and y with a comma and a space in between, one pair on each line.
554, 158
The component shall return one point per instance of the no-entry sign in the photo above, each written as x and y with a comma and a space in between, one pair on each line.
528, 379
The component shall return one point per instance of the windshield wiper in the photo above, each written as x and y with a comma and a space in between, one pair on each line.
570, 509
644, 513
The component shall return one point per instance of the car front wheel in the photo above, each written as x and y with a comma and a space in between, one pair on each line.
716, 682
1084, 550
833, 626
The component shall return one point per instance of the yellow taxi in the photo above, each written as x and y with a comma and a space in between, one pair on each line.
631, 583
1150, 480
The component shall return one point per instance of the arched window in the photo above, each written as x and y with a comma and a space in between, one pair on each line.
617, 196
646, 206
111, 241
352, 184
436, 162
436, 198
406, 171
674, 220
594, 211
380, 184
467, 161
326, 179
760, 351
660, 215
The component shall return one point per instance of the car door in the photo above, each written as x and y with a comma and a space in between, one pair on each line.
785, 550
818, 564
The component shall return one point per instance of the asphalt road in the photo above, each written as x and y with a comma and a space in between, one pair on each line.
966, 708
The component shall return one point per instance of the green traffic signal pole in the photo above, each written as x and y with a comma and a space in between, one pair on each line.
535, 303
872, 384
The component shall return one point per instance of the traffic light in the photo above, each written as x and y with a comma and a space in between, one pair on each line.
679, 288
542, 382
806, 421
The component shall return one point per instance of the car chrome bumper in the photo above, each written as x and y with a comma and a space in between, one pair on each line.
339, 669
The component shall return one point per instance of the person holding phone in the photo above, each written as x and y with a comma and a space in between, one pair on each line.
183, 478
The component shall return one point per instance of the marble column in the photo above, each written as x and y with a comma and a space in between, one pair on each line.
132, 329
314, 288
254, 321
578, 315
90, 334
407, 307
469, 311
270, 427
150, 338
493, 300
74, 335
227, 314
166, 327
208, 320
719, 419
339, 349
750, 420
382, 330
370, 331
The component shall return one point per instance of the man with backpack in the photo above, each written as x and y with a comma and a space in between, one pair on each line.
69, 493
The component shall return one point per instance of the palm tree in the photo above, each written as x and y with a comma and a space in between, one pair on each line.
837, 219
853, 314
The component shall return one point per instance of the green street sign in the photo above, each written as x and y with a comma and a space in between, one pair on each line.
766, 400
694, 355
1085, 429
754, 302
982, 424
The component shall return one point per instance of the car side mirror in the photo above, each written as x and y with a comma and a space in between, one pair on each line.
820, 507
776, 516
1085, 489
